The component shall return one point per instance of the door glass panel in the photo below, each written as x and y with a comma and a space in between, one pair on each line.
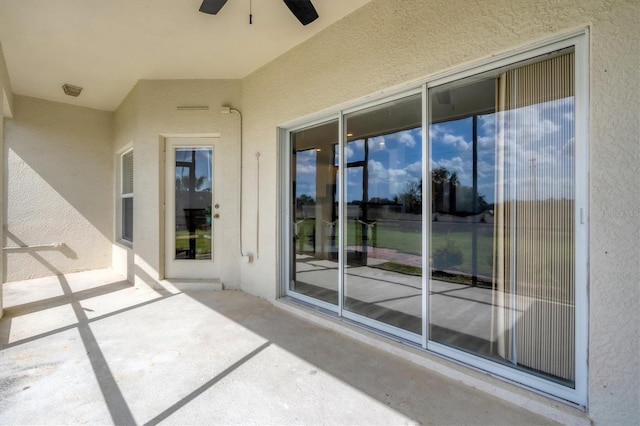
193, 195
502, 200
383, 209
314, 212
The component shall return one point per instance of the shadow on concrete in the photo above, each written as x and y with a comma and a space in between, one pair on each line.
396, 383
405, 388
203, 388
118, 408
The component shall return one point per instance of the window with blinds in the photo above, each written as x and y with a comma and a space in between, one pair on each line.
126, 196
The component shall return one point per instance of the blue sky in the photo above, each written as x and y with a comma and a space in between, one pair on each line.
394, 161
203, 164
538, 159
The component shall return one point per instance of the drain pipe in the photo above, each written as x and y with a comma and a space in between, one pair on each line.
247, 257
257, 203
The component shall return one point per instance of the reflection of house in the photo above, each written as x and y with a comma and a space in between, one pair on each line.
62, 163
199, 208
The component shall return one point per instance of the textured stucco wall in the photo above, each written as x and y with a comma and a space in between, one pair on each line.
5, 91
614, 247
58, 188
125, 128
149, 112
388, 43
5, 84
125, 120
1, 197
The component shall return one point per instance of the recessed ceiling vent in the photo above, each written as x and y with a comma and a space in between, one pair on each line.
71, 90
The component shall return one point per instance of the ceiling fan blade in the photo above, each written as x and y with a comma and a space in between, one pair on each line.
303, 10
212, 6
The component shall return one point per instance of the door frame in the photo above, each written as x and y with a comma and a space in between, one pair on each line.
168, 141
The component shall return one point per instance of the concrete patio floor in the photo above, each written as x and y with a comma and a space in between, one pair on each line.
88, 348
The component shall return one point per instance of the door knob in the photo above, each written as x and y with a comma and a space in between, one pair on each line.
216, 216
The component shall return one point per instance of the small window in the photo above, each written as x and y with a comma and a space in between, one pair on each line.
126, 196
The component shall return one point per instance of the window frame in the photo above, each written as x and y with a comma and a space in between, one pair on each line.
124, 195
578, 39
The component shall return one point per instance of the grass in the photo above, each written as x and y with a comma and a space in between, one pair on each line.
384, 236
463, 241
460, 278
550, 252
400, 268
203, 244
411, 243
417, 271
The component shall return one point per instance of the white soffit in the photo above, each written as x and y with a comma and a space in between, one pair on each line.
106, 46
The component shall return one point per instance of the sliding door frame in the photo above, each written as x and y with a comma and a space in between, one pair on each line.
578, 394
287, 251
579, 40
369, 322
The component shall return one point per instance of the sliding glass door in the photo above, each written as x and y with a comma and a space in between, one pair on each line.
452, 216
502, 227
314, 212
382, 239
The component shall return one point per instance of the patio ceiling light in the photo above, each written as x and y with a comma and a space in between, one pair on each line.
71, 90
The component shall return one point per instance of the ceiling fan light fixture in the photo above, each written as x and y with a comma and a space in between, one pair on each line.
212, 7
71, 90
303, 10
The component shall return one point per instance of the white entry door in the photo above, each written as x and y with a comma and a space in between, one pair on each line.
191, 210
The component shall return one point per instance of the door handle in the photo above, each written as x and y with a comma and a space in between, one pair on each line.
216, 216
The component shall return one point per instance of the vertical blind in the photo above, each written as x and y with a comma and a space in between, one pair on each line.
127, 173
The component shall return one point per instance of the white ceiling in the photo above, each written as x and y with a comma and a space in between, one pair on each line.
106, 46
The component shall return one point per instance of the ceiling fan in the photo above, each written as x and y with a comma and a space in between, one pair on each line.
302, 9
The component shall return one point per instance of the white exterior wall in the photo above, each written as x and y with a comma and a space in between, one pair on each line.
149, 113
386, 43
125, 128
2, 192
58, 183
6, 102
6, 94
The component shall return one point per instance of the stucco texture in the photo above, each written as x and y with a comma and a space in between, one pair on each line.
1, 195
6, 94
59, 188
389, 43
149, 114
6, 105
